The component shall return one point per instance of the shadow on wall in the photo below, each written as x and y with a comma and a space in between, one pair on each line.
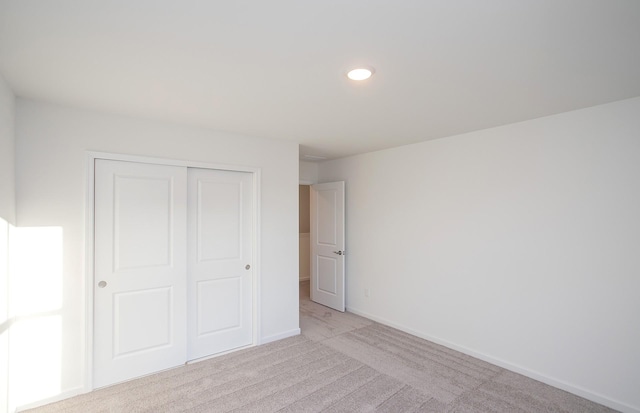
31, 314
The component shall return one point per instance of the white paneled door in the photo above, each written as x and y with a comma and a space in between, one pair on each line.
327, 245
140, 269
173, 266
219, 261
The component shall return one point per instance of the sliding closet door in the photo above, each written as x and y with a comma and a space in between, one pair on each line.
220, 261
140, 269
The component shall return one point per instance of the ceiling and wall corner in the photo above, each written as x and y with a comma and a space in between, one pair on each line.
278, 70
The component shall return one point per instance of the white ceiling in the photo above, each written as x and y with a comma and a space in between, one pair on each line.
277, 68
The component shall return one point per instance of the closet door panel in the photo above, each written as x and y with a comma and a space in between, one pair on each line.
220, 261
140, 269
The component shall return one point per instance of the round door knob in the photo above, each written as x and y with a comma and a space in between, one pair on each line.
102, 284
246, 267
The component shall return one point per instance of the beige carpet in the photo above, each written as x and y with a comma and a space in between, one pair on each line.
341, 363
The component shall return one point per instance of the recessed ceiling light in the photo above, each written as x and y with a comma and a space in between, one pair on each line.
360, 73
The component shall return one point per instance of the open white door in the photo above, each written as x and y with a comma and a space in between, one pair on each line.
140, 269
327, 245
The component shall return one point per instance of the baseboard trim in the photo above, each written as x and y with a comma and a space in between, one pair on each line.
64, 395
577, 390
280, 336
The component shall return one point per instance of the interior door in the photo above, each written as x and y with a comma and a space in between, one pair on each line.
140, 269
220, 261
327, 245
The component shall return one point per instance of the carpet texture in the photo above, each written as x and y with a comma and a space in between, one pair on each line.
340, 363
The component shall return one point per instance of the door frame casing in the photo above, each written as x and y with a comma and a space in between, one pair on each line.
89, 244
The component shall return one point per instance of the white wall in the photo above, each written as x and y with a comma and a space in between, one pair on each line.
308, 172
7, 216
7, 152
519, 244
51, 145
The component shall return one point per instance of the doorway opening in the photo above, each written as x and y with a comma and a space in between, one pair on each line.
304, 230
326, 262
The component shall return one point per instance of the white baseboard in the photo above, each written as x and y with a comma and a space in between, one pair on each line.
280, 336
577, 390
64, 395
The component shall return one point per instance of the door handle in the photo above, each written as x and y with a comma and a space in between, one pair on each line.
339, 252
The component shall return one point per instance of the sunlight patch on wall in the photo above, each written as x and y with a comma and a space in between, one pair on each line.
35, 365
36, 270
34, 320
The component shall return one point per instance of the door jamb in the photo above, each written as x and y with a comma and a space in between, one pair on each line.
89, 279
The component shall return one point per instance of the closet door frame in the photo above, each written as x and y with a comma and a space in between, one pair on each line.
89, 244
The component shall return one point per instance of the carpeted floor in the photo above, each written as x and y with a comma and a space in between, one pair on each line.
340, 363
